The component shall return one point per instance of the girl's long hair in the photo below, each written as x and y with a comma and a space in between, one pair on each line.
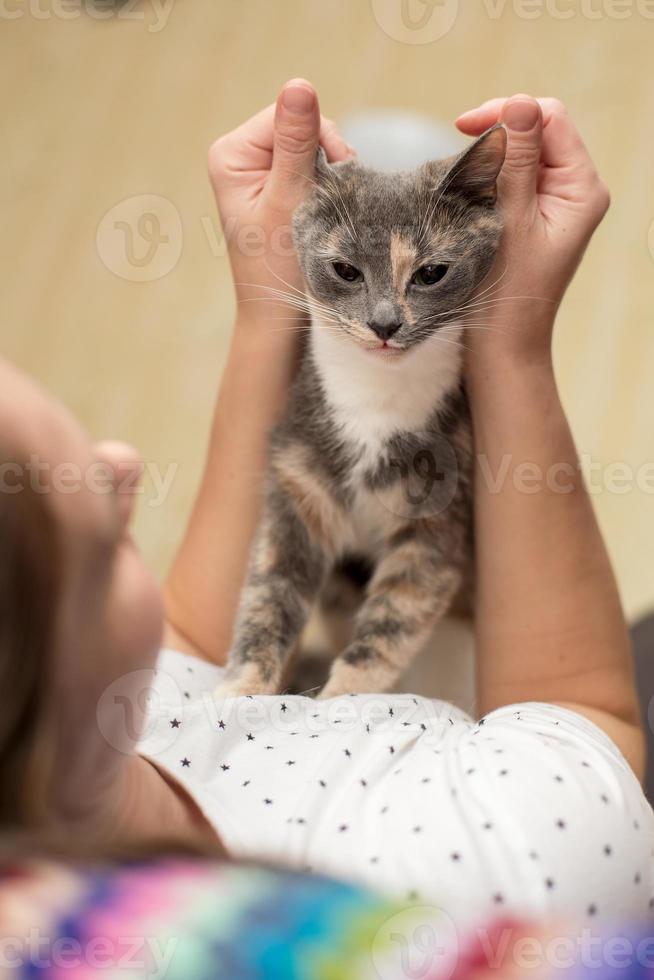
31, 584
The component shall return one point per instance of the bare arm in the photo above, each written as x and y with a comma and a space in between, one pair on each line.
550, 626
260, 173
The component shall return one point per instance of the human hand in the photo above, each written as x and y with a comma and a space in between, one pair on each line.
260, 172
552, 199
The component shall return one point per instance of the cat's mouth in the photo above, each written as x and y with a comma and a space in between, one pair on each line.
385, 350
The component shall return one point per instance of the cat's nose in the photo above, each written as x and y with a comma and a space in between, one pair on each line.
384, 330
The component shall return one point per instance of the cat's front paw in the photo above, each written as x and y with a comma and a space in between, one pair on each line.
367, 675
245, 681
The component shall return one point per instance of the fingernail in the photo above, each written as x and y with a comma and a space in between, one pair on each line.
468, 112
521, 116
350, 149
298, 99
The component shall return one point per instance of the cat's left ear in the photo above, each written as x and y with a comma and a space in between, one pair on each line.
323, 169
474, 173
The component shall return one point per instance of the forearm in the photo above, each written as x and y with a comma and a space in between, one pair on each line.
203, 587
550, 626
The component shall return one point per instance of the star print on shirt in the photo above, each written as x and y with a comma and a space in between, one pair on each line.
186, 763
225, 767
221, 725
250, 737
175, 723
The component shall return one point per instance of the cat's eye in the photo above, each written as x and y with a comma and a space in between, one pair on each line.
429, 275
347, 272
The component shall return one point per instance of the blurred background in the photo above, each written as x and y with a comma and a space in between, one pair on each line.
117, 293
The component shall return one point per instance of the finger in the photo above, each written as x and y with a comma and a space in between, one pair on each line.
248, 147
477, 121
523, 118
562, 142
296, 135
332, 142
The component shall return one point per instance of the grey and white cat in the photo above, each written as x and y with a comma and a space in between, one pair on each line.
373, 458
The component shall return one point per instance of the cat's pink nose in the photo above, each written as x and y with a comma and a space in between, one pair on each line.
384, 330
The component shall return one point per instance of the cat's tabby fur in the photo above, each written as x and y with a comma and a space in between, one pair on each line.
374, 455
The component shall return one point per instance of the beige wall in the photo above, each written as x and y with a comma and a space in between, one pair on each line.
95, 112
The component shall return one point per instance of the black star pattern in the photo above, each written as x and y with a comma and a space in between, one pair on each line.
592, 910
391, 749
488, 825
323, 783
423, 726
186, 694
363, 783
608, 850
498, 898
469, 772
533, 856
268, 747
558, 779
426, 779
375, 860
343, 827
391, 712
283, 706
417, 830
348, 754
175, 723
455, 856
250, 737
225, 767
314, 736
186, 763
190, 670
268, 801
561, 824
504, 772
246, 783
637, 879
383, 810
221, 725
550, 884
290, 762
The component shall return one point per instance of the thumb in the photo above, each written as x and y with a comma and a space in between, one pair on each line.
295, 139
523, 119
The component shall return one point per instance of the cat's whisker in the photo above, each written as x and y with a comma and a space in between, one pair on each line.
324, 189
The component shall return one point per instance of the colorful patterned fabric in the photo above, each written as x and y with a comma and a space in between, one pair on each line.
193, 920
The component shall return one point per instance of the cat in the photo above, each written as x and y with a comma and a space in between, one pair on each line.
373, 457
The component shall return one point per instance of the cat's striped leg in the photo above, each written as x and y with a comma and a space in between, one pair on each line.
412, 588
287, 569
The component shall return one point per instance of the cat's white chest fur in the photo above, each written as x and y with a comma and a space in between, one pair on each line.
372, 397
